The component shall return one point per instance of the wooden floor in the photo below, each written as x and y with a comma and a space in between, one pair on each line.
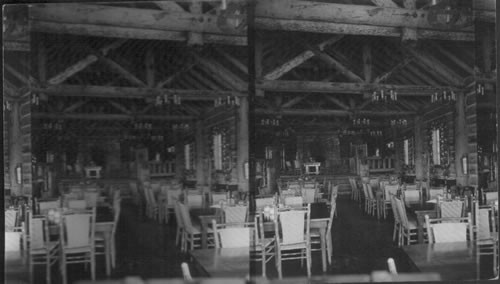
361, 244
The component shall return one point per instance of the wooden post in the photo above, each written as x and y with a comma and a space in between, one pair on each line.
15, 154
258, 49
200, 153
179, 157
367, 62
460, 139
193, 37
419, 149
242, 136
398, 150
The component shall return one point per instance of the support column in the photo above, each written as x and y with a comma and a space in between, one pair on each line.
461, 144
242, 154
15, 150
200, 153
419, 149
398, 151
179, 157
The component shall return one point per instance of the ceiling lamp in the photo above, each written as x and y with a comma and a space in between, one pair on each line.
361, 122
443, 97
386, 95
228, 101
399, 122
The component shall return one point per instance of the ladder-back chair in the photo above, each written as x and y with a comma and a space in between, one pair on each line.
42, 250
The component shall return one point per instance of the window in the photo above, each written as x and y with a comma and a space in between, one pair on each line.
187, 157
436, 145
218, 151
406, 147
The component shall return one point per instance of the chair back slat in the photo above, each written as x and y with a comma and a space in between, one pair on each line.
38, 233
294, 201
292, 226
194, 200
78, 229
390, 189
442, 230
10, 219
262, 202
451, 209
235, 214
309, 195
186, 218
77, 204
238, 235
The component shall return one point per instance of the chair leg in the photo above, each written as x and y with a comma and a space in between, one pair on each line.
63, 270
264, 262
113, 254
278, 265
48, 267
92, 265
308, 261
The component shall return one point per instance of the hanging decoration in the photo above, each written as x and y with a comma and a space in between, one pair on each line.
181, 126
384, 95
167, 100
361, 122
443, 97
376, 133
270, 122
228, 101
399, 122
480, 89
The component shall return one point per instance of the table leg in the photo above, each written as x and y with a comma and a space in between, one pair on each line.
203, 234
420, 231
107, 247
322, 233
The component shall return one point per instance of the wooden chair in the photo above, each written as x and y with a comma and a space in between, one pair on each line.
235, 214
486, 234
152, 210
179, 235
12, 221
186, 273
171, 195
263, 202
216, 197
262, 248
192, 233
408, 227
99, 238
355, 192
490, 197
451, 209
77, 233
316, 237
77, 204
411, 194
397, 220
194, 199
91, 198
42, 250
293, 201
388, 190
232, 235
435, 192
391, 265
309, 194
372, 201
45, 206
441, 230
294, 226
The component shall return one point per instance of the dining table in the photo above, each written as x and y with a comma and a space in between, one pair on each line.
205, 215
453, 261
223, 262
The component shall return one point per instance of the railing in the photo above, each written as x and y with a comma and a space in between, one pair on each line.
379, 164
161, 169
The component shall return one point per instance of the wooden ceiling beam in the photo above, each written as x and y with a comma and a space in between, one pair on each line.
74, 106
367, 62
109, 117
120, 107
169, 6
337, 102
129, 32
395, 69
131, 92
149, 65
21, 77
354, 29
72, 13
236, 62
385, 3
171, 78
293, 101
380, 17
122, 71
345, 88
327, 112
432, 63
215, 68
198, 76
325, 57
299, 59
453, 57
82, 64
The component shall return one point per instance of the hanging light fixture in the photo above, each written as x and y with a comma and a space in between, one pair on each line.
443, 97
384, 95
399, 122
228, 101
361, 122
480, 89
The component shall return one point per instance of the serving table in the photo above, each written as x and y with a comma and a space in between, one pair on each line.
453, 261
223, 262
